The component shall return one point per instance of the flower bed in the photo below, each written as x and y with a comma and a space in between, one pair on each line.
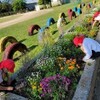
56, 73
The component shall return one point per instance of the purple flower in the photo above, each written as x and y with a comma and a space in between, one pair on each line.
58, 81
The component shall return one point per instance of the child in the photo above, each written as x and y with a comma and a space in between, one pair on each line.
89, 46
96, 18
60, 24
5, 67
44, 36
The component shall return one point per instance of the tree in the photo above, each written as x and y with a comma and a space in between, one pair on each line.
5, 7
0, 7
18, 5
44, 2
40, 2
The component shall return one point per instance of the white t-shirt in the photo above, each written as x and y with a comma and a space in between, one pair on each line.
97, 18
89, 45
1, 80
59, 22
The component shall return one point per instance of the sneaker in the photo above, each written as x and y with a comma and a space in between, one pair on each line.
90, 61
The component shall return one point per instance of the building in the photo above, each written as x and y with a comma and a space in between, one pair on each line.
30, 4
33, 4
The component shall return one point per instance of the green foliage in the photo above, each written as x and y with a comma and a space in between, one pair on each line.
18, 5
47, 1
81, 30
63, 48
33, 89
5, 7
93, 32
58, 59
6, 14
40, 2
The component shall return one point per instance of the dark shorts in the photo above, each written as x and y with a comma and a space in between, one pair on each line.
95, 54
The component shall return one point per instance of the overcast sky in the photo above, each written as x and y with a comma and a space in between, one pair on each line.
28, 1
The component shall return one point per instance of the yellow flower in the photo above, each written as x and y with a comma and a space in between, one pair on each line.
68, 61
39, 89
33, 87
61, 68
59, 64
92, 33
60, 58
71, 67
34, 83
90, 19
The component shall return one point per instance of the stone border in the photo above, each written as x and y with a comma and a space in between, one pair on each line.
11, 96
86, 84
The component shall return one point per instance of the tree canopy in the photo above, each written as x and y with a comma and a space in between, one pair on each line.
18, 5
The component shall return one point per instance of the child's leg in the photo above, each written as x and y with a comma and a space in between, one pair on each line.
61, 30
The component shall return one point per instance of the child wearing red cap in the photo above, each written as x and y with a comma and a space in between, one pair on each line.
89, 46
5, 67
96, 18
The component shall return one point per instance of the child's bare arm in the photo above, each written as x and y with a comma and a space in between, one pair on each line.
9, 88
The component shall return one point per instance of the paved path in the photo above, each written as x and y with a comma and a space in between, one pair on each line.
25, 16
97, 83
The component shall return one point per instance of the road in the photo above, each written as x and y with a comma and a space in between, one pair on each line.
24, 17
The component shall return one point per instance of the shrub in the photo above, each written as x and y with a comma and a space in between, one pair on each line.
7, 13
18, 5
40, 2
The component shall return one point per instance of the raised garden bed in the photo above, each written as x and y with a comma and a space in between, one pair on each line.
59, 64
55, 65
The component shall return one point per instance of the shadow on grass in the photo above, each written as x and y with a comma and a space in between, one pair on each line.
67, 23
54, 32
32, 47
32, 34
35, 33
17, 58
21, 54
29, 49
22, 40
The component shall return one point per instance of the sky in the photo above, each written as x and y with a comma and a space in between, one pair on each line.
30, 1
27, 1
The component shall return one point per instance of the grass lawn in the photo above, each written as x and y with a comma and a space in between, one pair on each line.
20, 31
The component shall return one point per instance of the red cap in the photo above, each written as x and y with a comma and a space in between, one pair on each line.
9, 64
78, 39
96, 14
